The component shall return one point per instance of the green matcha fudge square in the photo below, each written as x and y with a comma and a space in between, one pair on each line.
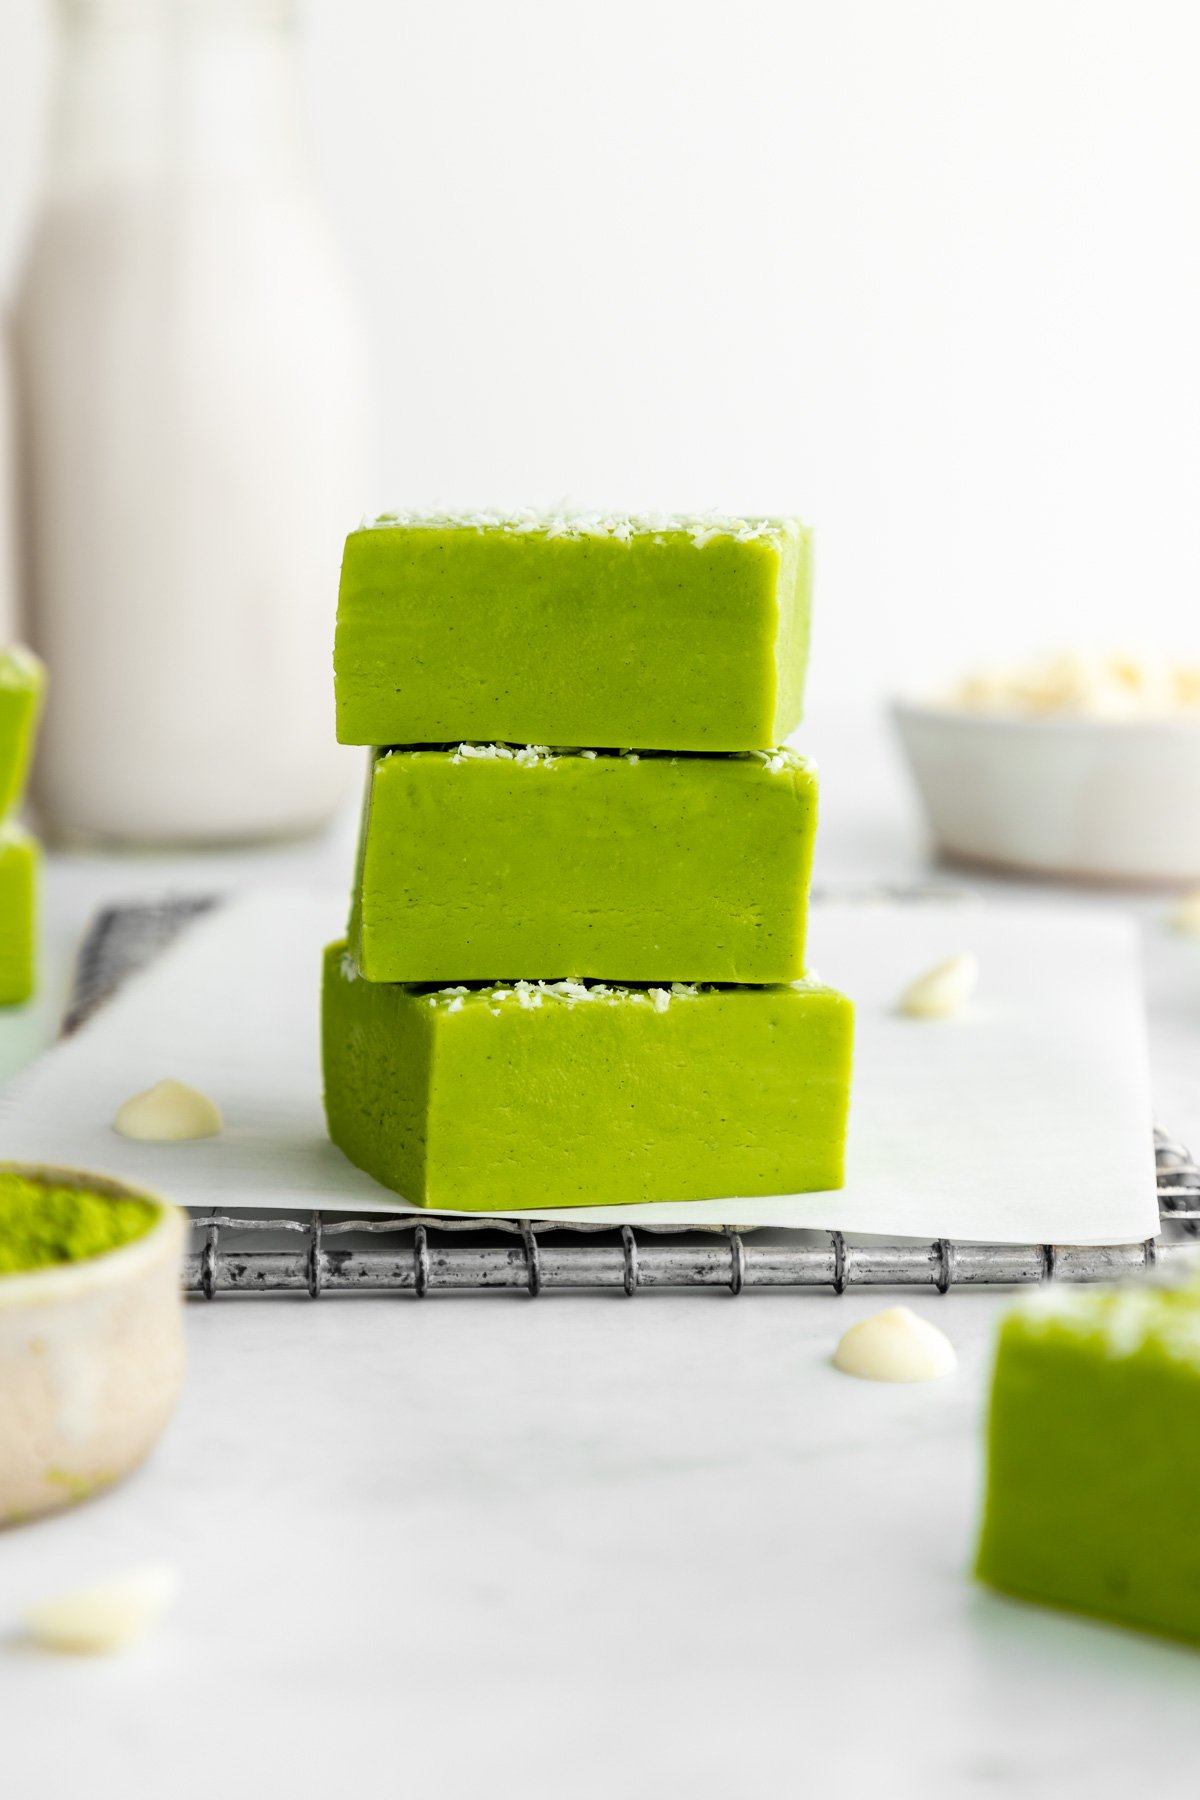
670, 633
19, 858
485, 863
489, 1099
1094, 1455
22, 680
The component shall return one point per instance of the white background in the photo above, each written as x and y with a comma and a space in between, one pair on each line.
927, 271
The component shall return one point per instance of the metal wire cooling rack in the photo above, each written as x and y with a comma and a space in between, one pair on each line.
421, 1256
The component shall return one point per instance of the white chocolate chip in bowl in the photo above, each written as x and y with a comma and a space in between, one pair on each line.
106, 1616
168, 1113
1185, 917
943, 991
895, 1345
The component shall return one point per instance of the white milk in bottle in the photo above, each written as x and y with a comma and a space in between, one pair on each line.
193, 433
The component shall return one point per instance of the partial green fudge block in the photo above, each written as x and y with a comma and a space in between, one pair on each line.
561, 1094
19, 859
667, 633
486, 863
22, 679
1094, 1455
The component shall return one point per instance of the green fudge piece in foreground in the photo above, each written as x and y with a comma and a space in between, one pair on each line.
486, 864
22, 679
18, 914
502, 1097
629, 633
1094, 1455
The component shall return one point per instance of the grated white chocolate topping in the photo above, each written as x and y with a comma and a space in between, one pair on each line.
567, 522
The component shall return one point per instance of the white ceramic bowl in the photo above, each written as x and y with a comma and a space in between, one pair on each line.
91, 1359
1083, 798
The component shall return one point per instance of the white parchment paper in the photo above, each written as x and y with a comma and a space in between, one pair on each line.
1028, 1119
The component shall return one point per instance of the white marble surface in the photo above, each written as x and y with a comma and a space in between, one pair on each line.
584, 1546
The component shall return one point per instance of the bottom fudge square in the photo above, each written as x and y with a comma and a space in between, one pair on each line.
527, 1094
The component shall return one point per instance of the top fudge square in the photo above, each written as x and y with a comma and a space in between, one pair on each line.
671, 633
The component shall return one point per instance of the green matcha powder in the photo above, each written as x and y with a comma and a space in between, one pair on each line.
42, 1225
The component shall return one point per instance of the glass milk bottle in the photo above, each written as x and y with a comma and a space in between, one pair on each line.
193, 433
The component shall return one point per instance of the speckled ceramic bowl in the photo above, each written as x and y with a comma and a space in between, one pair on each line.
91, 1358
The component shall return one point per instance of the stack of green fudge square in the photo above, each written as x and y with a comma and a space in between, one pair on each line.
574, 972
21, 684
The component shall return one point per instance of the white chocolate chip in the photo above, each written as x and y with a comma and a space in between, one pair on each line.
1186, 916
167, 1113
1090, 685
942, 991
896, 1345
107, 1616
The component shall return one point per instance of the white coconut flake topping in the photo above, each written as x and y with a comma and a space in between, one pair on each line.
482, 753
776, 761
569, 993
568, 522
1123, 1321
545, 756
349, 967
525, 756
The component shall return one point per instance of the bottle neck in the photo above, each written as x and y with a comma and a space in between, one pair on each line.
162, 92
